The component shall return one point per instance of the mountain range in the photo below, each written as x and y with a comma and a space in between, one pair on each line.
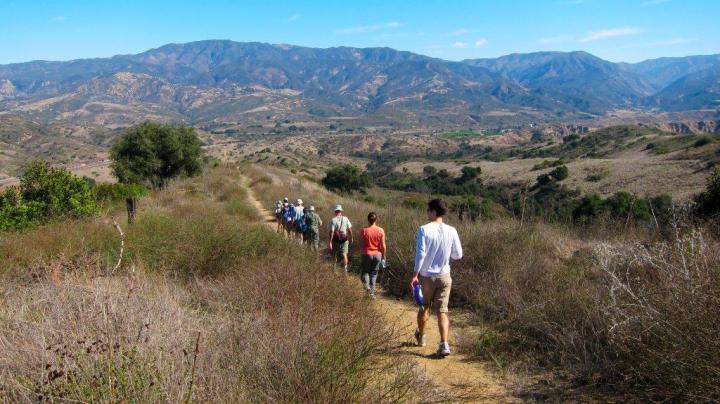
226, 81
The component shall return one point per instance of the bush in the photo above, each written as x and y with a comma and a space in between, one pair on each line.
346, 178
118, 191
45, 193
709, 201
152, 154
560, 173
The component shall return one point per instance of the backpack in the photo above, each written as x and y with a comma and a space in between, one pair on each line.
340, 236
301, 225
290, 214
312, 222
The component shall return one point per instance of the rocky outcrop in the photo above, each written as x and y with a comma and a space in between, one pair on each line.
7, 89
694, 127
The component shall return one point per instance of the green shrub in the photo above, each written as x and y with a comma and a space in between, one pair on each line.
118, 191
45, 193
152, 154
346, 178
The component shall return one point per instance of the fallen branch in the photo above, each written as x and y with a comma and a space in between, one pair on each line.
122, 244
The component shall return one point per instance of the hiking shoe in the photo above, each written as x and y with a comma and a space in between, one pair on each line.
419, 338
443, 349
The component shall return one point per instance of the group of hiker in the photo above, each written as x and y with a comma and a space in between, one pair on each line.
437, 244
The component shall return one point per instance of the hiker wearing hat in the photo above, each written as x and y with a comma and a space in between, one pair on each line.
278, 215
313, 223
437, 243
299, 220
373, 251
340, 236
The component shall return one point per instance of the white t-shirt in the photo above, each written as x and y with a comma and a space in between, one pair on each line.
436, 245
299, 211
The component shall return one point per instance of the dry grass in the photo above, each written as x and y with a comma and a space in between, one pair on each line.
209, 306
614, 310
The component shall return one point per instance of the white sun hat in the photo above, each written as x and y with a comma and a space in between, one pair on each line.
338, 208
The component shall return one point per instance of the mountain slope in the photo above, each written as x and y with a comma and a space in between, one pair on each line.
230, 82
694, 91
183, 79
663, 71
578, 78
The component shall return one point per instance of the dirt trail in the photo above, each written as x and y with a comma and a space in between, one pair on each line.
458, 377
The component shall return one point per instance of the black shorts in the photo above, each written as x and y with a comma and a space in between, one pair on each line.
371, 264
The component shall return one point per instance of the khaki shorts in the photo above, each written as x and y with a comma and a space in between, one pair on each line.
436, 291
341, 247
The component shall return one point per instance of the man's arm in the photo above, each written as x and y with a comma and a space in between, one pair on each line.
330, 235
456, 252
420, 253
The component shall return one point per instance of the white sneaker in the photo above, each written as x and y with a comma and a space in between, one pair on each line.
420, 339
443, 349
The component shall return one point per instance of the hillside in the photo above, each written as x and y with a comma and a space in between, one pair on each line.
229, 82
700, 89
580, 79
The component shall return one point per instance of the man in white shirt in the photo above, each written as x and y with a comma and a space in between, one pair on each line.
437, 243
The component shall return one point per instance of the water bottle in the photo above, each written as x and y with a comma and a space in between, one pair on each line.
418, 295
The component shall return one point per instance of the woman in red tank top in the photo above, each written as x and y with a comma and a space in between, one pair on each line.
373, 251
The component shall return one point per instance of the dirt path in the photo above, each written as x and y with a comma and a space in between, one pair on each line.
458, 376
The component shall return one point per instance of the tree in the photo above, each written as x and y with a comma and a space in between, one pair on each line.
560, 173
151, 154
709, 201
45, 193
346, 178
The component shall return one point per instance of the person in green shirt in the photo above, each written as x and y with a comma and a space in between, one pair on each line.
313, 222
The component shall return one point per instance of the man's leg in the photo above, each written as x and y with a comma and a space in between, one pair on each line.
422, 318
444, 326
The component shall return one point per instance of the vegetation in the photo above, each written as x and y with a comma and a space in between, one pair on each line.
151, 154
615, 305
209, 305
45, 193
346, 178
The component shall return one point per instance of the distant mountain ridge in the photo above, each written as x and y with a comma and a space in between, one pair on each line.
226, 80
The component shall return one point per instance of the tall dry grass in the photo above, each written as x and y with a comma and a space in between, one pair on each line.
618, 309
209, 305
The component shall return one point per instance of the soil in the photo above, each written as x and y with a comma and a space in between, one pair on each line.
458, 377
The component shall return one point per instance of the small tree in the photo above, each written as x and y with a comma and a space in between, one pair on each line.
346, 178
151, 154
45, 193
709, 201
560, 173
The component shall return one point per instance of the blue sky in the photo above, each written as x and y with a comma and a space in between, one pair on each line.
617, 30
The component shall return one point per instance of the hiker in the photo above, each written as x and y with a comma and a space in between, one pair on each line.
289, 219
437, 243
373, 251
299, 226
340, 236
313, 223
279, 215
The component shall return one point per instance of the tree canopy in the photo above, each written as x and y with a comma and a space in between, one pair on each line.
346, 178
152, 153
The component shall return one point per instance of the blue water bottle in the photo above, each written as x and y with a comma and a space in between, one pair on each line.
417, 294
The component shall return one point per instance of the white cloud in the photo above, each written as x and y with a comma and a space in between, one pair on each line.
459, 44
59, 18
294, 17
369, 28
481, 42
654, 2
609, 33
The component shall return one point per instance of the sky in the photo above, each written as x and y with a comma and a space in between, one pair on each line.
616, 30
